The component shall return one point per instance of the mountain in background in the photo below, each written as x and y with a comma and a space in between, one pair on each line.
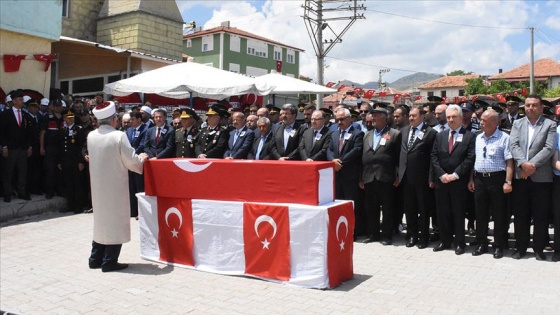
404, 84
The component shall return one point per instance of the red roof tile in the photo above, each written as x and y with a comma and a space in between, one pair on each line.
236, 31
545, 67
449, 81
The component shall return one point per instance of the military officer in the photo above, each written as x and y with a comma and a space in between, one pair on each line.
71, 163
186, 136
212, 140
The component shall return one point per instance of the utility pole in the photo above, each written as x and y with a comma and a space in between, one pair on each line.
317, 14
381, 72
532, 74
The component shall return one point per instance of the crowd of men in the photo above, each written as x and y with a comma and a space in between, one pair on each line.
437, 165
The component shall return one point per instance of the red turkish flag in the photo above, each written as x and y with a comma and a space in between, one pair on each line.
279, 66
358, 91
266, 235
175, 230
396, 98
12, 62
341, 87
46, 58
369, 93
382, 94
418, 98
340, 243
330, 84
524, 92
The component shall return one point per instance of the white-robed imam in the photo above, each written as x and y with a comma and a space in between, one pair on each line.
110, 158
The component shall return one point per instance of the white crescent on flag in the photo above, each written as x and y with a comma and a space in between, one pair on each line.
265, 218
341, 220
187, 166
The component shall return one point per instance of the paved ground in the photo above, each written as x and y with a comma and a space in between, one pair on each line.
43, 269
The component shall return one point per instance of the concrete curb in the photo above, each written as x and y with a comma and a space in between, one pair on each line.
38, 204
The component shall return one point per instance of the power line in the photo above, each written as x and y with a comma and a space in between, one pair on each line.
448, 23
372, 65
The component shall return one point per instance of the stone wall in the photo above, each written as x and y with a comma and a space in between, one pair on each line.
142, 32
82, 20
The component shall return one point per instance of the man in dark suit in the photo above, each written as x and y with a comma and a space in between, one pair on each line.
135, 135
315, 141
185, 137
264, 143
240, 139
35, 161
159, 141
452, 160
380, 159
15, 140
345, 150
414, 168
212, 140
288, 134
532, 144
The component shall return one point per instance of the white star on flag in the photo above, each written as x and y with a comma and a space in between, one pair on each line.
265, 243
175, 233
341, 245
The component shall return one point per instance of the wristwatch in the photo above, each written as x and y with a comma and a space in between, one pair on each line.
508, 182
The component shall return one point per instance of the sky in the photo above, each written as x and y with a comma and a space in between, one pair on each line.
403, 36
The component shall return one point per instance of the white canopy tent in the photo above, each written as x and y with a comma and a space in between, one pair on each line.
288, 85
188, 79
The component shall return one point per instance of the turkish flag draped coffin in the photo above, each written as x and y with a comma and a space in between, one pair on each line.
308, 246
310, 183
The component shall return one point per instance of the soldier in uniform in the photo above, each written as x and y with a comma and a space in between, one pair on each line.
71, 162
185, 137
35, 161
212, 140
87, 127
513, 113
50, 147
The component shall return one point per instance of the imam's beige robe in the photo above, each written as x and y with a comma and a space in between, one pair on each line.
110, 158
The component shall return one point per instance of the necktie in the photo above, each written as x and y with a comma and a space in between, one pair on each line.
157, 135
315, 136
19, 117
235, 137
341, 141
451, 141
412, 138
442, 127
511, 119
259, 148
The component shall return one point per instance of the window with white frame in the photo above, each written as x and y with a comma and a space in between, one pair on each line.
234, 43
189, 43
257, 48
234, 67
277, 53
254, 71
207, 43
291, 56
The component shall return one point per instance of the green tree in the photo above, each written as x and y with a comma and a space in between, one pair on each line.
476, 86
554, 92
500, 86
458, 72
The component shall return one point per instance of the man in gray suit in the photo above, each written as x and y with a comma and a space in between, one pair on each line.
532, 143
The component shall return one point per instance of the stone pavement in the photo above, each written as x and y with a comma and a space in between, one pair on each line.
43, 269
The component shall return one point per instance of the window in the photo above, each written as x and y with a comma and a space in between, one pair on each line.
189, 43
257, 48
207, 43
430, 93
277, 53
255, 72
291, 56
443, 93
87, 85
461, 92
234, 67
65, 8
234, 43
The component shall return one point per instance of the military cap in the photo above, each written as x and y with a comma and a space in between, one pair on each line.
513, 100
327, 111
496, 108
435, 99
467, 106
272, 109
380, 105
68, 113
379, 110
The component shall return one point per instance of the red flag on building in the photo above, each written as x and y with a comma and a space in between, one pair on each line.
266, 234
369, 93
46, 58
175, 230
524, 92
340, 243
396, 98
12, 62
279, 66
342, 86
419, 97
331, 84
382, 94
358, 91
